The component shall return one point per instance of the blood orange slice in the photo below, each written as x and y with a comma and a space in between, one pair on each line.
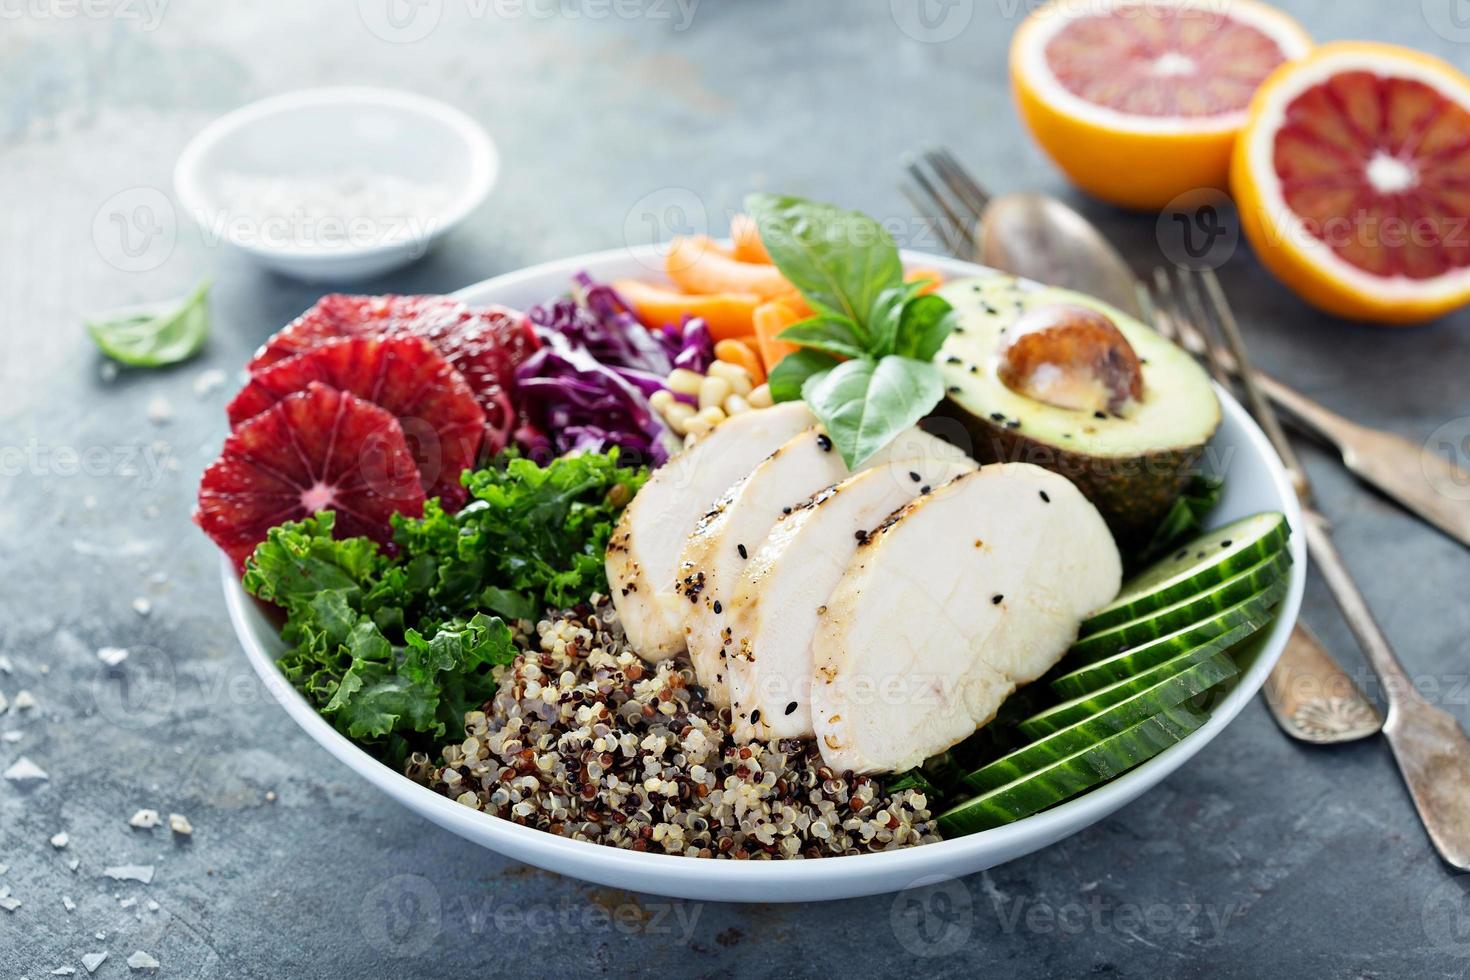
1139, 101
484, 345
406, 377
1353, 181
318, 449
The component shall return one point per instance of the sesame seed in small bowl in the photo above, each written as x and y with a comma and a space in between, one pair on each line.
336, 184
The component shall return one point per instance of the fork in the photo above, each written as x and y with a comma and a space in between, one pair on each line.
1428, 743
947, 195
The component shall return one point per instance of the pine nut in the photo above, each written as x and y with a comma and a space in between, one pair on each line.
684, 381
712, 391
738, 377
677, 417
661, 400
735, 404
760, 397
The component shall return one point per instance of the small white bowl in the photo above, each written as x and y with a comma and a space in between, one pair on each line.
389, 174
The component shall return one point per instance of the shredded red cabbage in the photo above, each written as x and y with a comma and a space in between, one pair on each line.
587, 388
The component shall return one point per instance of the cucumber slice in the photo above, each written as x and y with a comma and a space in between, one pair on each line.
1193, 568
1161, 622
1173, 690
1089, 703
1074, 774
1255, 612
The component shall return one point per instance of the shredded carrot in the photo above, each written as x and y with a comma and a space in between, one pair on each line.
770, 319
747, 239
696, 265
935, 279
726, 314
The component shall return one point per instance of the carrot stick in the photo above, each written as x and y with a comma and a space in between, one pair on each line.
747, 239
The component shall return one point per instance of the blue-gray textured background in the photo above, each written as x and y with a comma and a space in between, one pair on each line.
1262, 858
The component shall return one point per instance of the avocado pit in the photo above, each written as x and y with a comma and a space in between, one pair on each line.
1071, 357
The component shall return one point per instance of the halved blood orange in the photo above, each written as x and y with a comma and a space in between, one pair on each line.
1353, 181
402, 375
1139, 101
317, 449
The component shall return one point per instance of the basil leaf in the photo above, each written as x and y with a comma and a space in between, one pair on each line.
156, 339
864, 403
887, 313
924, 322
787, 377
839, 260
832, 334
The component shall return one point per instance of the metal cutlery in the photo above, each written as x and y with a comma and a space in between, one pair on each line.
1428, 743
1040, 238
1311, 697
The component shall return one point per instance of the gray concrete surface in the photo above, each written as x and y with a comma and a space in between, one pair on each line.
1263, 858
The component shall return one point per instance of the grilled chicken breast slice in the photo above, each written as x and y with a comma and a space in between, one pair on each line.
643, 553
726, 538
952, 603
773, 609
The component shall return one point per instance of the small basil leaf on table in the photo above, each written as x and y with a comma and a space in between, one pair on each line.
155, 339
840, 260
787, 378
865, 403
831, 334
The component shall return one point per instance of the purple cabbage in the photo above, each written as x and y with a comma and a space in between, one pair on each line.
587, 388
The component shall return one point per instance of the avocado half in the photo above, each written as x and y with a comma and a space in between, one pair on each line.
1131, 466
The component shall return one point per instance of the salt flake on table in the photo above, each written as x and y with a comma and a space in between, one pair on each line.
60, 840
142, 961
142, 606
24, 771
160, 410
144, 819
208, 381
25, 701
130, 872
112, 656
93, 960
180, 824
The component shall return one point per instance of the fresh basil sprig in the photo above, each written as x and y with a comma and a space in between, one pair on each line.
865, 367
155, 339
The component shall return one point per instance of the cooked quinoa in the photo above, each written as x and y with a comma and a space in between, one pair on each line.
586, 740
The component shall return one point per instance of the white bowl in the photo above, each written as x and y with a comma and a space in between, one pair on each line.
1255, 482
407, 145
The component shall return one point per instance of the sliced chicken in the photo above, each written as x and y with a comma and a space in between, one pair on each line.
773, 608
952, 603
721, 547
643, 553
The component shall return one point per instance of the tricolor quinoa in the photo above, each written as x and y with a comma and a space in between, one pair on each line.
586, 740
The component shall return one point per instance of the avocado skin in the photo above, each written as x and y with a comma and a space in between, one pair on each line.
1132, 493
